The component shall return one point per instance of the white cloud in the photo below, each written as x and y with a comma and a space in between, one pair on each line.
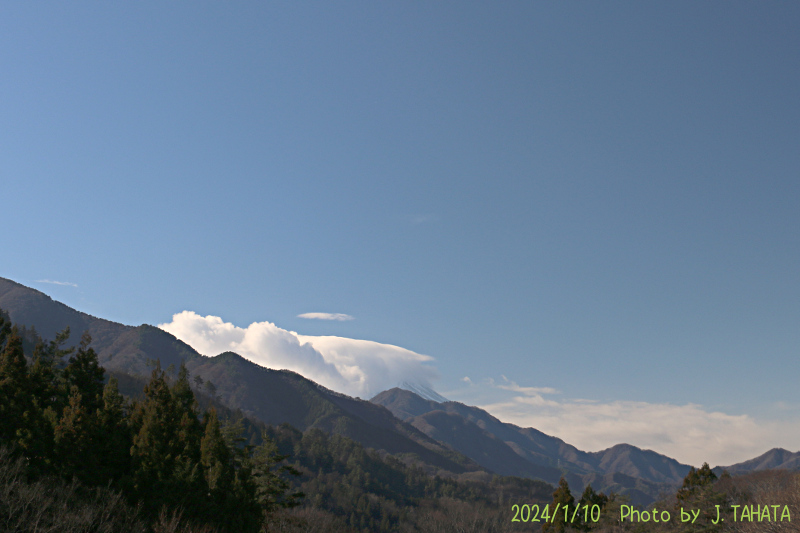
326, 316
355, 367
52, 282
373, 366
528, 391
689, 433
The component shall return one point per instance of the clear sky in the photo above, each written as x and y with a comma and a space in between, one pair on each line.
587, 214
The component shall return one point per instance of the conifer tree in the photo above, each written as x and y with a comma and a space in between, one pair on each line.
698, 492
185, 406
16, 406
114, 434
166, 450
244, 485
50, 396
268, 470
5, 328
562, 499
74, 437
232, 504
155, 444
695, 480
85, 373
188, 473
589, 499
216, 457
45, 376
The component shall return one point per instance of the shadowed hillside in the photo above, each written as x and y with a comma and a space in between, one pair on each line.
444, 437
271, 396
120, 348
281, 396
501, 447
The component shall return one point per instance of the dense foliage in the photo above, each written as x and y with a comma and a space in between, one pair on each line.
66, 422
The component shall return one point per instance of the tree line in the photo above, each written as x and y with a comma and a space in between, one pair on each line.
159, 463
758, 502
60, 416
77, 454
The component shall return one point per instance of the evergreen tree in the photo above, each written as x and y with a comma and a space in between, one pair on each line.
272, 488
232, 504
5, 328
16, 405
245, 488
155, 445
74, 437
216, 456
50, 395
695, 480
174, 459
589, 499
188, 472
114, 442
85, 373
91, 439
562, 499
698, 492
46, 380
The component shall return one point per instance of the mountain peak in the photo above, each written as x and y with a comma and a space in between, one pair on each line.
776, 458
423, 391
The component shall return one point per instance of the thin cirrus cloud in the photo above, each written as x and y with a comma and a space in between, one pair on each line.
511, 386
53, 282
689, 433
355, 367
341, 317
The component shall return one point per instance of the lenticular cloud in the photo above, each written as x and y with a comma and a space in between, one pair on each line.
355, 367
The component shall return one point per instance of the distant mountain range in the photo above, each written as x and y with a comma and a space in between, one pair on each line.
511, 450
412, 422
775, 459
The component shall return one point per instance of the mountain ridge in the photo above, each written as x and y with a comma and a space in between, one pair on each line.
774, 459
642, 474
446, 436
272, 396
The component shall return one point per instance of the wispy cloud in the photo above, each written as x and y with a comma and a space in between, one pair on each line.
690, 433
351, 366
528, 391
52, 282
341, 317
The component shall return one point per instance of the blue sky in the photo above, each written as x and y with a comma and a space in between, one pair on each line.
598, 201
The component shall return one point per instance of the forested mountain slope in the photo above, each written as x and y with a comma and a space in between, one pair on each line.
271, 396
446, 437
